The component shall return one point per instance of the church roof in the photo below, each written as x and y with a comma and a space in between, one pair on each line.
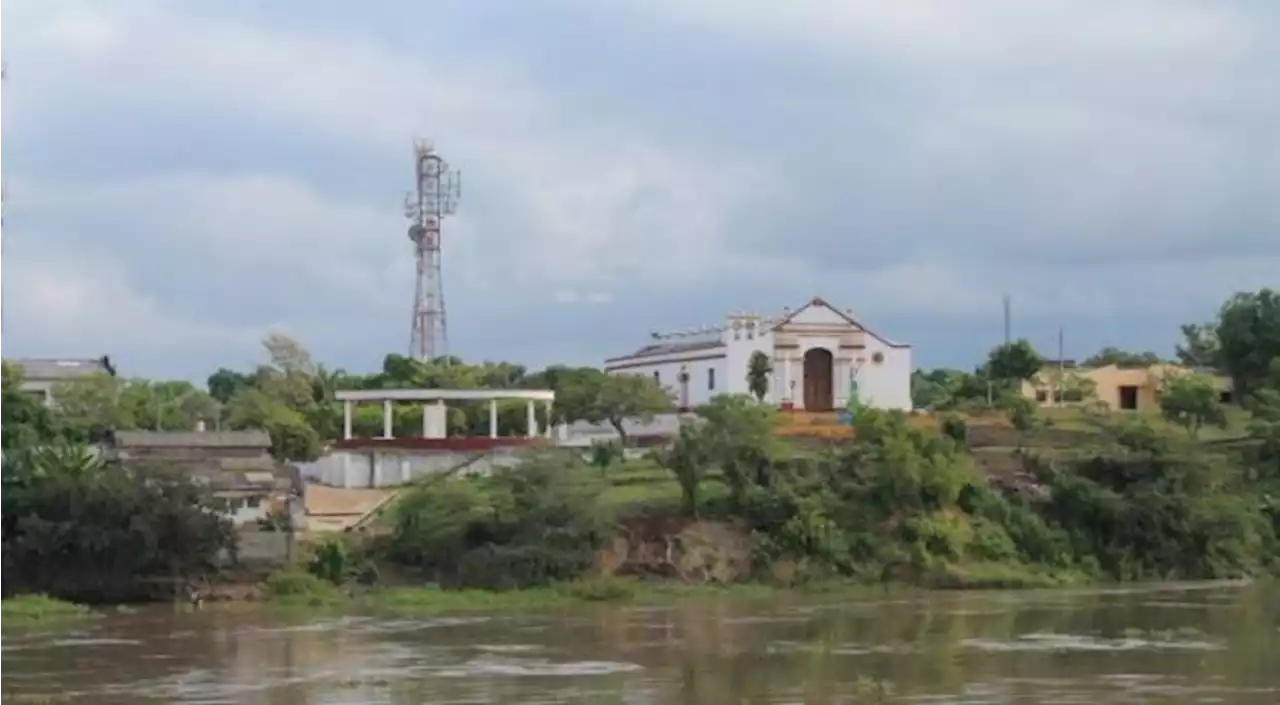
818, 301
670, 348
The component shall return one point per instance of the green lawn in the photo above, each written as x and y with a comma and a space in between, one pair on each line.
1076, 419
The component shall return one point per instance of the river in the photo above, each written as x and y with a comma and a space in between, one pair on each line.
1205, 643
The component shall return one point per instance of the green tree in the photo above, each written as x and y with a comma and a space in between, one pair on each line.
224, 383
758, 370
576, 388
291, 437
1124, 358
1191, 400
740, 437
26, 421
1013, 363
90, 406
946, 389
621, 397
1199, 346
1248, 335
687, 457
78, 529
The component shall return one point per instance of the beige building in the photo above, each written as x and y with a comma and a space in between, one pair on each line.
1119, 387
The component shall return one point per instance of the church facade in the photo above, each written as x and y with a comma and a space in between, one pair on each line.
820, 358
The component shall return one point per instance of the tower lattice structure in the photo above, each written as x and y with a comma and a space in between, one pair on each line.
435, 197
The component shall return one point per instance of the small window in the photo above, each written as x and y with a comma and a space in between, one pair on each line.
711, 379
1225, 397
252, 502
657, 376
1042, 396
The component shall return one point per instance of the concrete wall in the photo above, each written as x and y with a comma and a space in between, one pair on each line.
368, 468
260, 550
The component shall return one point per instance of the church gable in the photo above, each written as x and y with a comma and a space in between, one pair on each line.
821, 315
818, 314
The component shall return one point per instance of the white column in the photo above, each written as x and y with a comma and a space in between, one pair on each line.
532, 418
786, 376
839, 383
386, 418
547, 406
493, 418
346, 420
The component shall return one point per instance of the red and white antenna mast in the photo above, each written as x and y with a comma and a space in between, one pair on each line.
435, 198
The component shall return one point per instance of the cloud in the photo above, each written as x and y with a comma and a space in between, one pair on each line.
221, 170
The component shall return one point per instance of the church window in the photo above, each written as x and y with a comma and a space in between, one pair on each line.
711, 379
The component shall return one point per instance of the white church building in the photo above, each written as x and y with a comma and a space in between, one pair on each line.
818, 354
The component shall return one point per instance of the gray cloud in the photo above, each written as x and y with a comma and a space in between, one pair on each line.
179, 182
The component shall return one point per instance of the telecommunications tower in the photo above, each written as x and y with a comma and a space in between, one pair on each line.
435, 197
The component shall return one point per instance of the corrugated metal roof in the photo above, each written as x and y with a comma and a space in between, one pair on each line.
192, 439
52, 369
672, 348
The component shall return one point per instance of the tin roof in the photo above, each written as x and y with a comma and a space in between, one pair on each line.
57, 369
192, 439
670, 349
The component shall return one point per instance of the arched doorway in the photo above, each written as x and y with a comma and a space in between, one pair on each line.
818, 373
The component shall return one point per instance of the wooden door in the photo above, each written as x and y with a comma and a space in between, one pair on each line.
818, 374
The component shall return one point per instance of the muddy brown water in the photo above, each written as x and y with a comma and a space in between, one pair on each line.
1203, 643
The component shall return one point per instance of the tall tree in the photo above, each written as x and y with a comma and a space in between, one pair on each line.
224, 383
1199, 346
1014, 362
1248, 334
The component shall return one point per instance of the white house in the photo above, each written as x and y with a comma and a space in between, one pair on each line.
818, 355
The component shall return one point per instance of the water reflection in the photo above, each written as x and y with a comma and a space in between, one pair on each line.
1195, 643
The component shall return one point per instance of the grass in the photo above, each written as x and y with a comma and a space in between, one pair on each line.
295, 587
997, 576
39, 609
595, 590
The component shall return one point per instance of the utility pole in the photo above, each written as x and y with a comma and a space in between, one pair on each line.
1008, 319
4, 195
5, 521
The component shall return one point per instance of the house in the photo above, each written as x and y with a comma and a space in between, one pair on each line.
1120, 387
820, 357
39, 375
247, 483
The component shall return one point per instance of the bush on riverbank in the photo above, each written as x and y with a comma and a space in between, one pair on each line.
27, 609
77, 529
897, 503
533, 525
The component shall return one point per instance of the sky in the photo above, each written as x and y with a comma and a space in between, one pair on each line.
182, 178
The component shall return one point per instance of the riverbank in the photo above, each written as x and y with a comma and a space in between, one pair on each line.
40, 609
300, 589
